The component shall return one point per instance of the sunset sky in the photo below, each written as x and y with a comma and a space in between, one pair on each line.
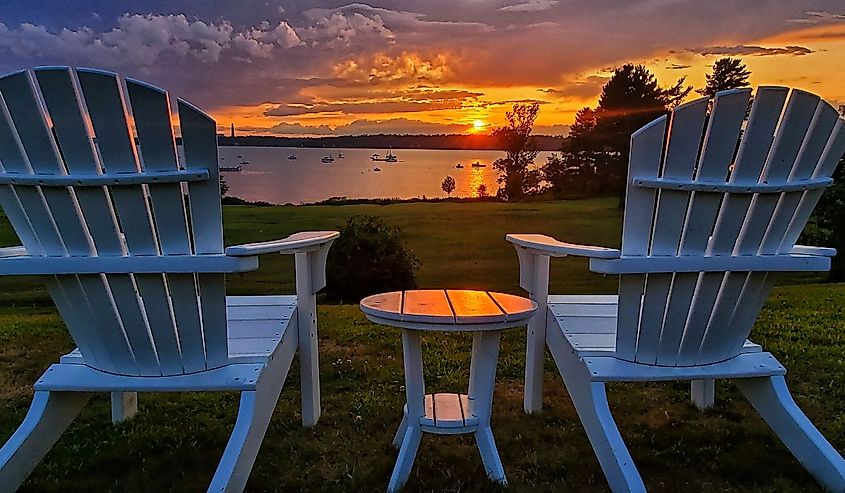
434, 66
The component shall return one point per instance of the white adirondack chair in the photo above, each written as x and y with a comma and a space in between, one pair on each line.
714, 207
130, 240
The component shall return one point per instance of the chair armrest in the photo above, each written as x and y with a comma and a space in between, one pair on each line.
25, 265
297, 242
546, 245
813, 250
16, 251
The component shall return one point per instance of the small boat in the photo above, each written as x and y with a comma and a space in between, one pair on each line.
478, 165
389, 158
244, 162
459, 166
376, 169
239, 155
327, 159
292, 156
230, 168
340, 155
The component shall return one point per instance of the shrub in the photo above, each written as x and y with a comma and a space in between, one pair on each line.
369, 257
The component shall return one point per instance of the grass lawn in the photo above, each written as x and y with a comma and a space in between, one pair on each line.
176, 440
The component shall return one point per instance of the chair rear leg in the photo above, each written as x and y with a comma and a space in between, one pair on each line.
124, 405
771, 398
47, 418
703, 393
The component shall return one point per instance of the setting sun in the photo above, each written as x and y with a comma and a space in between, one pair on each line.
478, 124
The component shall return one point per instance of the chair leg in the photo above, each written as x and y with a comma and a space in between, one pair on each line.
590, 401
405, 461
306, 315
703, 393
771, 398
254, 413
48, 417
256, 409
124, 405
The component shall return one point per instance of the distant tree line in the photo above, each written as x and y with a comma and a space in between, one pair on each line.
383, 141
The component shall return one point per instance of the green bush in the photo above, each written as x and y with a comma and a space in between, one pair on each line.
369, 257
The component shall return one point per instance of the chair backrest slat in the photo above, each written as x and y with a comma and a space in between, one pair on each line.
147, 324
646, 155
692, 319
199, 142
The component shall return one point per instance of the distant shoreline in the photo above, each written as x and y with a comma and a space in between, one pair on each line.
433, 142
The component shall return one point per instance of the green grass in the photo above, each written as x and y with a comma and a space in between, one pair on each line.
176, 440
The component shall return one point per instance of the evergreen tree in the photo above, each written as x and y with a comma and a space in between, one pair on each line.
596, 151
728, 73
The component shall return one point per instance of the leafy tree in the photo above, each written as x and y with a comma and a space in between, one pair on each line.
369, 257
448, 185
728, 73
481, 190
515, 179
599, 141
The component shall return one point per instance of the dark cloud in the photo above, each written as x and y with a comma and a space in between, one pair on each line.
750, 50
530, 6
409, 101
363, 126
819, 17
677, 66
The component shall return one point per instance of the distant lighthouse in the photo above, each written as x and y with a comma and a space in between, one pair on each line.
233, 131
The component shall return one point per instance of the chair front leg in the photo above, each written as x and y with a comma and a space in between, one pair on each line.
310, 278
534, 278
48, 417
772, 400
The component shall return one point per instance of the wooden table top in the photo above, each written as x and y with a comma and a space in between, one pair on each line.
448, 309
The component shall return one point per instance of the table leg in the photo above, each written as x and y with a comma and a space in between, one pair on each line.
482, 381
415, 397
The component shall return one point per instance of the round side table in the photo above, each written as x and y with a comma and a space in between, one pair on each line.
484, 314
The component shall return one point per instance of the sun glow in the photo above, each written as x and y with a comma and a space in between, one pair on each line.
478, 124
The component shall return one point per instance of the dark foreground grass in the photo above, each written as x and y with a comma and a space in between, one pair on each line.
174, 443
